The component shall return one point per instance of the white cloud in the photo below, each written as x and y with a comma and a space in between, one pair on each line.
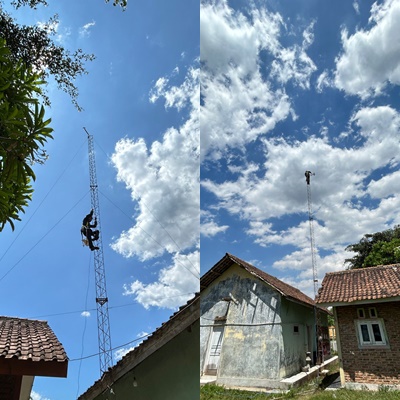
349, 198
37, 396
356, 7
176, 284
85, 314
163, 179
54, 28
239, 103
164, 182
371, 58
293, 63
118, 354
323, 81
84, 31
385, 186
209, 227
51, 27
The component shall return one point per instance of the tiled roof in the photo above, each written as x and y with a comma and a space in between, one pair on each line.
290, 292
372, 283
26, 343
180, 320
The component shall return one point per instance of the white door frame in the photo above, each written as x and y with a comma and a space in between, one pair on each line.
214, 350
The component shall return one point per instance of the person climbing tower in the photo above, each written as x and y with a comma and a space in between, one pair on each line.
87, 231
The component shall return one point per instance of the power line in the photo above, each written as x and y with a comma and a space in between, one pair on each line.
114, 348
43, 237
110, 308
122, 345
84, 326
40, 204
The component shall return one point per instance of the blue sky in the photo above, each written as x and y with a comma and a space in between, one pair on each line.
141, 102
288, 87
285, 87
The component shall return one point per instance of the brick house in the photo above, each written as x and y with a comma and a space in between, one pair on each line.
366, 306
28, 348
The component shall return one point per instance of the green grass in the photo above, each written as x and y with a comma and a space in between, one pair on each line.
309, 392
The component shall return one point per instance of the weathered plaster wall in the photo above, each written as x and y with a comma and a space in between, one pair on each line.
251, 350
258, 347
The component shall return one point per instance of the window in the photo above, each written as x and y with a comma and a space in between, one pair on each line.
371, 332
360, 313
372, 312
296, 329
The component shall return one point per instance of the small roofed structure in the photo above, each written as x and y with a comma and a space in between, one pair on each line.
366, 306
255, 330
164, 366
28, 348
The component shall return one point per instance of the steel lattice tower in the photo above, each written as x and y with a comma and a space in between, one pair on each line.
103, 323
317, 318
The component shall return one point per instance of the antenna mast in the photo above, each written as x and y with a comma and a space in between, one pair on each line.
103, 323
317, 318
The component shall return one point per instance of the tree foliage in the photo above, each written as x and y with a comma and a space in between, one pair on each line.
381, 248
122, 3
23, 132
28, 56
35, 47
35, 3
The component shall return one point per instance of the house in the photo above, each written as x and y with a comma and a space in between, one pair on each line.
28, 348
164, 366
255, 329
366, 306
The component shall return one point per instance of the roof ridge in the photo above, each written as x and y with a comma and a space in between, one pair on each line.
273, 278
23, 319
370, 283
356, 270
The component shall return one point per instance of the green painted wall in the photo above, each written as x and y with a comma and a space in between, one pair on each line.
298, 336
171, 373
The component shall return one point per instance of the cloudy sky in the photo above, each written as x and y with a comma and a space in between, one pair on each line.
288, 87
210, 118
141, 103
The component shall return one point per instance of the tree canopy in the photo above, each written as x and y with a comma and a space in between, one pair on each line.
35, 3
381, 248
23, 132
34, 46
28, 57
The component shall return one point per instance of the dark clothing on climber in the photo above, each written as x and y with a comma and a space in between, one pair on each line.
308, 175
88, 232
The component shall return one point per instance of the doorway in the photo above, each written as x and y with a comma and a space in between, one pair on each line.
214, 350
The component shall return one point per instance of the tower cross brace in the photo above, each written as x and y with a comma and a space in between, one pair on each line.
103, 322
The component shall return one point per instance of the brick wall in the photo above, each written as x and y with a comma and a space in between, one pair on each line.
370, 365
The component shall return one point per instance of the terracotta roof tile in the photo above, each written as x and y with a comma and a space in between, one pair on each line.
26, 339
285, 289
370, 283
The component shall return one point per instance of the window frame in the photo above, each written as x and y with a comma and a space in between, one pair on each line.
372, 310
361, 313
372, 343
